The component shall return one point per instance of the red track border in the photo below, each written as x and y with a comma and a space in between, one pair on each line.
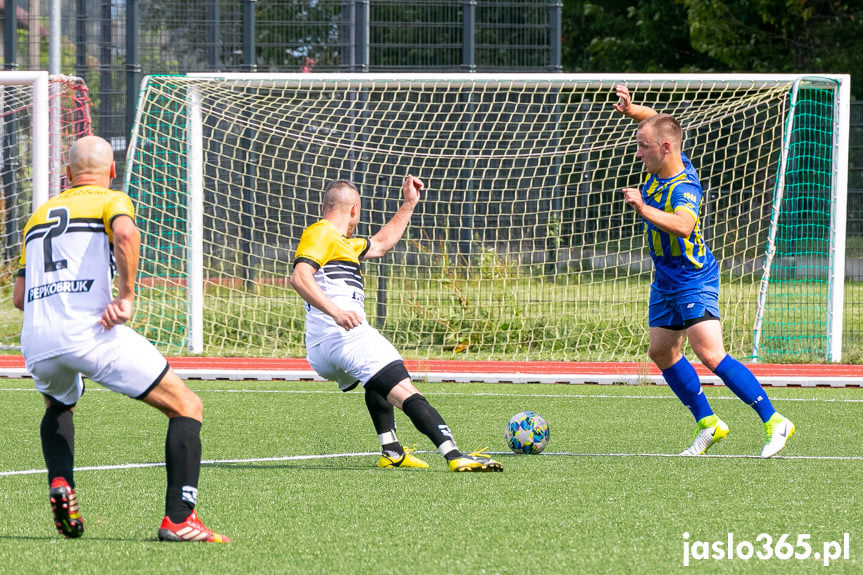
245, 368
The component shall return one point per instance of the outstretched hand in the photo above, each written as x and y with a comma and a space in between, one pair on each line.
411, 189
624, 103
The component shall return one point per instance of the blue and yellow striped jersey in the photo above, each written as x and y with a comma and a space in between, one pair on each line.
681, 263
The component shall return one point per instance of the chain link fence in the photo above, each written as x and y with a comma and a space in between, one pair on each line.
112, 44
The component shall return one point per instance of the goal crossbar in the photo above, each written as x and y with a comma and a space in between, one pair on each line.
521, 227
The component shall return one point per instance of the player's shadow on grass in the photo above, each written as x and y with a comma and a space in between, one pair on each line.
26, 537
84, 538
292, 465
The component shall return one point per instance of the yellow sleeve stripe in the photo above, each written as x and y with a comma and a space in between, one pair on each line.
686, 210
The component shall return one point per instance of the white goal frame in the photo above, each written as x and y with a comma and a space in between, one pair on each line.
838, 222
195, 168
39, 129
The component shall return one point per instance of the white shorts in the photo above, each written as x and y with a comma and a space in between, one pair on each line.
352, 358
119, 359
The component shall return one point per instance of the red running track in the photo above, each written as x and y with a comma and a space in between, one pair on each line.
836, 375
538, 367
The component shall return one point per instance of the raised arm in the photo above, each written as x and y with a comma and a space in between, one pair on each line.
627, 108
389, 235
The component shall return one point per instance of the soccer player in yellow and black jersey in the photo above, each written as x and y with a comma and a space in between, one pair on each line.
340, 343
74, 328
684, 295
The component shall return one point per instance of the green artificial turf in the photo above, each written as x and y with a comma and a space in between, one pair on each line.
605, 497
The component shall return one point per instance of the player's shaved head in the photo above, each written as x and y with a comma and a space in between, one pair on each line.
339, 195
90, 155
663, 128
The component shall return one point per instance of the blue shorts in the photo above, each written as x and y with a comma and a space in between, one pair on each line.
678, 310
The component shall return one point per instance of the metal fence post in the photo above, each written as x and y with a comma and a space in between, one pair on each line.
10, 36
556, 32
346, 35
249, 60
133, 18
214, 39
81, 38
55, 36
362, 36
468, 40
106, 90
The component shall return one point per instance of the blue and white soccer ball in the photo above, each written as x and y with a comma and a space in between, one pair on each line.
527, 432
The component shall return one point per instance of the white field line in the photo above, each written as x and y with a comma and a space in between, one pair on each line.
375, 453
462, 394
727, 456
489, 394
203, 462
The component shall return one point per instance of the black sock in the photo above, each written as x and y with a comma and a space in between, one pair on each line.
183, 463
58, 442
384, 420
429, 422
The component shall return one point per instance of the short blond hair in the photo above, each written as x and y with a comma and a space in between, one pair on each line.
665, 128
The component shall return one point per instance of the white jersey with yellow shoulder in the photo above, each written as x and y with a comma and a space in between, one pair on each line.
337, 261
68, 266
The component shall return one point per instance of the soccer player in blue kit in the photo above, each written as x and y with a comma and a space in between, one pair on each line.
684, 295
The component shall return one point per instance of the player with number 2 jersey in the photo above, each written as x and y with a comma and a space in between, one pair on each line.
68, 242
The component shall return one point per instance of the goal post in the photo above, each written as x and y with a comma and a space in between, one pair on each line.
813, 166
521, 248
40, 116
839, 218
30, 91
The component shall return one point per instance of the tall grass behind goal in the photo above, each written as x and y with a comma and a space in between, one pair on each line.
521, 247
40, 117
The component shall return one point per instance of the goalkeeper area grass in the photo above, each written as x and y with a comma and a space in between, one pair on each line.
290, 476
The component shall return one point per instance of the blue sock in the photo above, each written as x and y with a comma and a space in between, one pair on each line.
684, 382
740, 380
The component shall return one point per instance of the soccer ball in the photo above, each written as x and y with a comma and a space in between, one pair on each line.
527, 432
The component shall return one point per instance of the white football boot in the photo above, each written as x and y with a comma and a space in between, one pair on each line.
779, 430
706, 437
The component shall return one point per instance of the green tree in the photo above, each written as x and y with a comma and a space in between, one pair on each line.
780, 35
767, 36
625, 36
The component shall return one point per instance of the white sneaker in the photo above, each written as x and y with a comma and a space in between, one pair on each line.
779, 430
706, 437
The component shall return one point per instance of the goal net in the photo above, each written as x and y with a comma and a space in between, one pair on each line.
40, 117
521, 248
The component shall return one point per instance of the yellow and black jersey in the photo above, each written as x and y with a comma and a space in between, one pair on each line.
68, 266
336, 259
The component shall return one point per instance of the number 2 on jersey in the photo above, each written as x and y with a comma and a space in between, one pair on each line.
56, 229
